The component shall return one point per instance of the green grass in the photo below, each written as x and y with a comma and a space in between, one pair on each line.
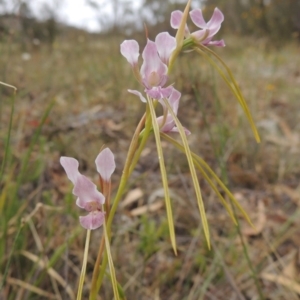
86, 79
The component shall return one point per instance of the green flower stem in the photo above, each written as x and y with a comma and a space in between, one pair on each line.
110, 263
144, 137
98, 277
131, 152
83, 270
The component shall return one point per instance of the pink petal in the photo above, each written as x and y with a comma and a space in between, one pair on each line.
168, 125
197, 18
139, 94
165, 44
70, 165
213, 24
216, 19
220, 43
105, 163
86, 191
93, 220
153, 70
176, 17
175, 129
174, 100
130, 50
159, 92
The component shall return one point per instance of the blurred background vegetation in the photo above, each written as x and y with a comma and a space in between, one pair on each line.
277, 20
72, 99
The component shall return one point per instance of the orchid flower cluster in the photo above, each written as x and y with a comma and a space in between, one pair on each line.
158, 57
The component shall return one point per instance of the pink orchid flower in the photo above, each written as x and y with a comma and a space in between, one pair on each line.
88, 197
154, 70
167, 123
207, 30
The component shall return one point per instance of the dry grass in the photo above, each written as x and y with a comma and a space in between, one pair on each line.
88, 79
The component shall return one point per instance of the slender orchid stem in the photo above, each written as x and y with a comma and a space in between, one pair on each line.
98, 277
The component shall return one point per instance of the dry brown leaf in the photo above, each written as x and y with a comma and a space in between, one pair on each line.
280, 279
260, 221
30, 287
290, 269
110, 124
131, 197
283, 189
51, 272
147, 208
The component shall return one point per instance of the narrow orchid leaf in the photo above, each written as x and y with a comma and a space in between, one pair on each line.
83, 270
111, 264
231, 84
193, 172
223, 186
163, 174
206, 167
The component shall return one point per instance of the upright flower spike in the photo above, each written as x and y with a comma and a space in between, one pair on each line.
88, 197
153, 73
207, 30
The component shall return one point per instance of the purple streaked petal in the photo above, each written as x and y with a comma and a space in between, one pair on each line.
197, 18
165, 44
159, 92
153, 69
201, 34
105, 163
220, 43
130, 50
173, 98
139, 94
168, 125
216, 19
176, 17
175, 129
86, 191
93, 220
70, 165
